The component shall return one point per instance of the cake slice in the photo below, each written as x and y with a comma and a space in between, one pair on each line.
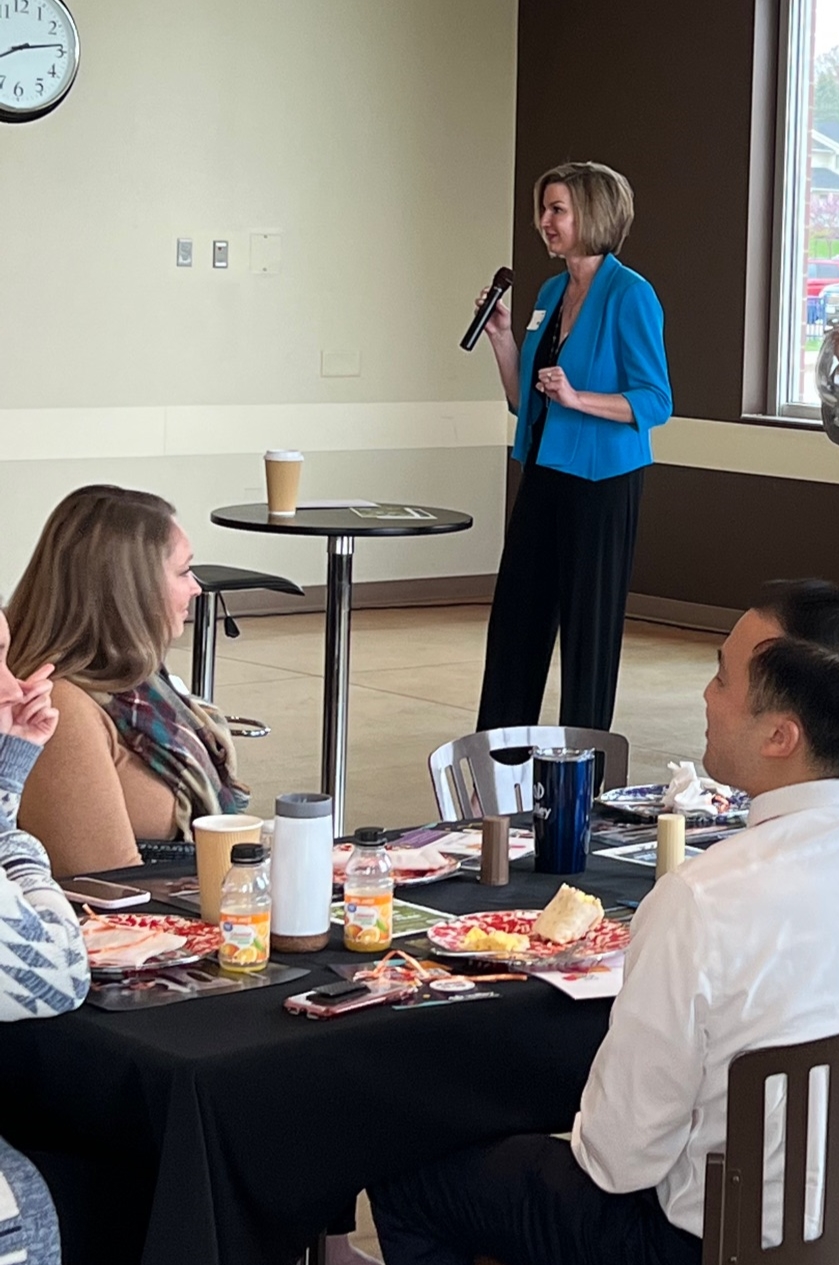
568, 916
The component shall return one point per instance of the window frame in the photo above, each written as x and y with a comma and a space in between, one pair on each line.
789, 260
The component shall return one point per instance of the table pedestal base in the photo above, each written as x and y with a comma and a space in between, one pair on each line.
336, 673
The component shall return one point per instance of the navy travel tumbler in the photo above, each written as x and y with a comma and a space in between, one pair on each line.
563, 786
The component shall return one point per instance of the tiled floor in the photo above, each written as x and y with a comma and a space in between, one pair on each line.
415, 678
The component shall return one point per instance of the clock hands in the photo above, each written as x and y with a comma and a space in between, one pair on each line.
19, 48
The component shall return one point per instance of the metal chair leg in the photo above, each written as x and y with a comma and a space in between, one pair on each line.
315, 1252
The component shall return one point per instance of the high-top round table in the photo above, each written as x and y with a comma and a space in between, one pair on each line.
340, 527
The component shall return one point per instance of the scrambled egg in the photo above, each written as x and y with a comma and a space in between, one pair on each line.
495, 941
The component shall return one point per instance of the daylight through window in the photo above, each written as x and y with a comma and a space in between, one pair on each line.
808, 265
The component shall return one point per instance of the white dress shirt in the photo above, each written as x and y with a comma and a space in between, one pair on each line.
735, 950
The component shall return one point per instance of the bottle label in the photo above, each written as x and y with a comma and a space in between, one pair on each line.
368, 920
245, 940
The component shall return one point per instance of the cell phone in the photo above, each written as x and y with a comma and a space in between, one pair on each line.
341, 988
101, 894
316, 1007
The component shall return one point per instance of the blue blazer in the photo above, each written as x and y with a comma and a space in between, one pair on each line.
616, 345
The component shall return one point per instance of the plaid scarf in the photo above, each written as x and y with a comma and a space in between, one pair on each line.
186, 743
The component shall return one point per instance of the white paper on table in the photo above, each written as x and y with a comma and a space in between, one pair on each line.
347, 503
408, 919
603, 980
467, 843
639, 853
385, 512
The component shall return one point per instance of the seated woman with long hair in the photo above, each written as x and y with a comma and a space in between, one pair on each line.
106, 591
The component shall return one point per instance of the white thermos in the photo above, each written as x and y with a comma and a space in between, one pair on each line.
301, 872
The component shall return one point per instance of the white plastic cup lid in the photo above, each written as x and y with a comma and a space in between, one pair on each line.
283, 454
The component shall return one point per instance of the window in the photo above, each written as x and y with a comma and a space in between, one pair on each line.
807, 244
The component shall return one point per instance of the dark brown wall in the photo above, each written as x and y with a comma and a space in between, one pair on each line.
713, 536
662, 90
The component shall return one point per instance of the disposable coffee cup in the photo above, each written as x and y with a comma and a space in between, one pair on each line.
563, 789
214, 839
282, 477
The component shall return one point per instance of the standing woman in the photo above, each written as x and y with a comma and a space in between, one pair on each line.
589, 385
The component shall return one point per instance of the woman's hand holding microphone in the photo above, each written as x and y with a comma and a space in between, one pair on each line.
500, 324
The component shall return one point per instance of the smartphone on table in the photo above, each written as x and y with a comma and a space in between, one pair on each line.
103, 895
341, 998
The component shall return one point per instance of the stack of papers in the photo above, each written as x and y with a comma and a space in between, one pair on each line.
603, 979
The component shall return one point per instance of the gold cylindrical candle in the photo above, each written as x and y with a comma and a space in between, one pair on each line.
670, 843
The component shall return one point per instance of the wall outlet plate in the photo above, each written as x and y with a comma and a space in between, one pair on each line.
265, 252
219, 254
184, 255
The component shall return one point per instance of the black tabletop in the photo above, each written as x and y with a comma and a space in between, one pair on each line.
226, 1130
339, 522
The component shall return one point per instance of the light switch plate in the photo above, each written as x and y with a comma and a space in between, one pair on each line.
184, 256
219, 254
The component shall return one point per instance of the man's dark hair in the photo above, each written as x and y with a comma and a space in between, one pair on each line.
807, 610
799, 672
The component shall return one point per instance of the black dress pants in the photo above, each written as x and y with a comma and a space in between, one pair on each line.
566, 566
523, 1201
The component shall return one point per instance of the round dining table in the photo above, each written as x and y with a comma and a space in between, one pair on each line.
224, 1130
341, 527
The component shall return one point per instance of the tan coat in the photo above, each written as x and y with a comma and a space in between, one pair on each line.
89, 798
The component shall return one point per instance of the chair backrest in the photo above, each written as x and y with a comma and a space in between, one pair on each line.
734, 1183
469, 782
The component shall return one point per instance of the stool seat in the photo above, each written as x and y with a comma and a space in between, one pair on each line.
215, 580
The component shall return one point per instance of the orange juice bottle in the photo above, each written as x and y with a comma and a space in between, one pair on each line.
245, 919
368, 893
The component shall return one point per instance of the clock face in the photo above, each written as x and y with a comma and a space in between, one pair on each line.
39, 57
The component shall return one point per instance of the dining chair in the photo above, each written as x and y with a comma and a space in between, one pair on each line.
734, 1189
469, 781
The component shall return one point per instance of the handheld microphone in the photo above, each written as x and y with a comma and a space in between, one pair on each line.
502, 280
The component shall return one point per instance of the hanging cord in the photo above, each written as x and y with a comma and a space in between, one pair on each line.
231, 628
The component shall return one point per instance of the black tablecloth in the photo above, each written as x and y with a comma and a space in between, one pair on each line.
224, 1131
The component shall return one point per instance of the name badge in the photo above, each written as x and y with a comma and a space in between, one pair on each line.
536, 319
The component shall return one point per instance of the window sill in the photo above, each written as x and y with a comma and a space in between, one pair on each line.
799, 417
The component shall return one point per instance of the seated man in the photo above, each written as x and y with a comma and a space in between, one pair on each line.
735, 950
43, 964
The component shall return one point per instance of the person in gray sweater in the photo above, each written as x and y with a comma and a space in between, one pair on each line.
43, 965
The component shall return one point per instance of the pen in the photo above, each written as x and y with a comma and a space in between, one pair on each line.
444, 1001
494, 979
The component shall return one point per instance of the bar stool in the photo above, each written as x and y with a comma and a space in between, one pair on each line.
215, 581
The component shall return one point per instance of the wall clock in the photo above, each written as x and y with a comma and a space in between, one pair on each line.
39, 57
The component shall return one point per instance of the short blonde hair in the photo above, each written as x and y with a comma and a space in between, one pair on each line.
602, 201
93, 599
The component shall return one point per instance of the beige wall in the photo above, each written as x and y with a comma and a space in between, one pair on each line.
375, 137
748, 448
745, 447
